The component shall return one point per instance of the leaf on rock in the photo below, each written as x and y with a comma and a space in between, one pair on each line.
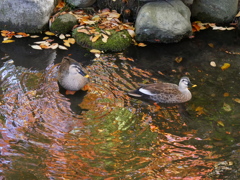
49, 33
96, 37
105, 37
95, 51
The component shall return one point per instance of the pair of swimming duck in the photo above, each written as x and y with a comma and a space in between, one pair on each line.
73, 77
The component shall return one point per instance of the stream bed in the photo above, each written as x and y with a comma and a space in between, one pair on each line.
102, 133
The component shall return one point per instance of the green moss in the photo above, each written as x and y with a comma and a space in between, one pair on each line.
117, 41
63, 24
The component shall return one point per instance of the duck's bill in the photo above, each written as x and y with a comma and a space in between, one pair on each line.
86, 76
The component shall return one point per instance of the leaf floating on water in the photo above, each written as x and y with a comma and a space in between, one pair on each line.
45, 38
226, 94
49, 33
54, 46
61, 36
62, 47
141, 45
37, 47
71, 40
200, 110
213, 64
178, 59
211, 45
236, 100
34, 36
220, 123
225, 66
8, 41
226, 107
18, 36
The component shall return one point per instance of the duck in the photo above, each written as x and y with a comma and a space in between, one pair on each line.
162, 92
71, 75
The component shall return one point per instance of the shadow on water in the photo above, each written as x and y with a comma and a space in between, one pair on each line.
104, 134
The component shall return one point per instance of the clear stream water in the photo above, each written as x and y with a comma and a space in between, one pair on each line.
102, 133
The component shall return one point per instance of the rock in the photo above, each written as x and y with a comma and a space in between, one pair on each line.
26, 16
63, 24
163, 21
214, 11
116, 41
81, 3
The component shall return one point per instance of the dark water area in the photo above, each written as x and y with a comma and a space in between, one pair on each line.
102, 133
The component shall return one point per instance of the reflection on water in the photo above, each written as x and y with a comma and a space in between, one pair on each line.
104, 134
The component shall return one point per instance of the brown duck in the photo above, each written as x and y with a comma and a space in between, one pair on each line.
71, 75
164, 92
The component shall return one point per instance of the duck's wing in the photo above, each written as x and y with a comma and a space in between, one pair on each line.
159, 88
154, 89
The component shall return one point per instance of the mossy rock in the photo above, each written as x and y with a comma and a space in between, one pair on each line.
63, 24
117, 41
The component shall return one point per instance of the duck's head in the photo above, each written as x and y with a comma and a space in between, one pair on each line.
185, 82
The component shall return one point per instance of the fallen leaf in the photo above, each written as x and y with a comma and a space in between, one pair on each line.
18, 36
95, 51
220, 123
96, 37
8, 41
49, 33
226, 94
62, 47
236, 100
34, 36
54, 46
225, 66
131, 33
105, 37
71, 40
37, 47
200, 110
211, 45
213, 64
141, 45
226, 107
61, 36
178, 59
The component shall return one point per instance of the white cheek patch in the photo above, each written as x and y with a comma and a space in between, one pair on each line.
144, 91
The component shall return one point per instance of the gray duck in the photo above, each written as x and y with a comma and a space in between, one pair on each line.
71, 75
164, 92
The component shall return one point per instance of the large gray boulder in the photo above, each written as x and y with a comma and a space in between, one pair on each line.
215, 11
81, 3
29, 16
163, 21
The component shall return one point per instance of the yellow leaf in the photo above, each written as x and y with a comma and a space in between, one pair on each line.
49, 33
178, 59
8, 41
45, 38
237, 100
200, 110
95, 38
83, 31
105, 38
226, 94
66, 44
211, 45
95, 51
220, 123
226, 107
225, 66
34, 36
142, 44
71, 40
